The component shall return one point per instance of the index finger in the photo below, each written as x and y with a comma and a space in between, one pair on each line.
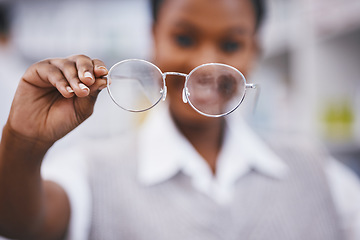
85, 69
100, 69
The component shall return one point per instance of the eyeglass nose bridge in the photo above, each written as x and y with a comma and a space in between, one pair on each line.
175, 74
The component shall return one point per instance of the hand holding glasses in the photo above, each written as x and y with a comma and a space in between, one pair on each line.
212, 89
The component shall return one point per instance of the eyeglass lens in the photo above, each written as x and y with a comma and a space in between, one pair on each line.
215, 89
135, 85
212, 89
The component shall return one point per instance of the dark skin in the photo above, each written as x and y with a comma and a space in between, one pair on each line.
56, 95
42, 112
190, 33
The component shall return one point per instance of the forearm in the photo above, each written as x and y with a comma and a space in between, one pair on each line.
22, 206
53, 97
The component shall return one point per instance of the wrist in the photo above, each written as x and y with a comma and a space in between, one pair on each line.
18, 146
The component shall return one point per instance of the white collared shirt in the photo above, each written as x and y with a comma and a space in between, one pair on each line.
174, 153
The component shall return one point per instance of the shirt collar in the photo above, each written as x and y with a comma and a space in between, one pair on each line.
244, 150
164, 151
161, 148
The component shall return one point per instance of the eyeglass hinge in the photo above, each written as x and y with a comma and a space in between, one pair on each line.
251, 85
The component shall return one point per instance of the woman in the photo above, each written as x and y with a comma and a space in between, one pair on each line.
183, 175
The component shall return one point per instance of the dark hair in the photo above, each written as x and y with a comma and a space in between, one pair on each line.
259, 8
5, 18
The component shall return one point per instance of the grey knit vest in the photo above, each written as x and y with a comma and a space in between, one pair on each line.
298, 207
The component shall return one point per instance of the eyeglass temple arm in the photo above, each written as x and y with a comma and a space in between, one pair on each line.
257, 94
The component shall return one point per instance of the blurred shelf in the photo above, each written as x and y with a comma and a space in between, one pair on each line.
334, 17
312, 48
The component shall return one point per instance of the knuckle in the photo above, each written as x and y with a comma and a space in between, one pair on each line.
74, 80
82, 57
40, 64
53, 61
34, 69
86, 66
52, 70
84, 63
57, 83
76, 57
98, 61
66, 63
45, 61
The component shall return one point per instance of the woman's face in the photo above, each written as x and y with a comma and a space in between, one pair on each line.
189, 33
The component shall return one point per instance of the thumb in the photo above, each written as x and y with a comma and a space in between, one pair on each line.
95, 89
85, 105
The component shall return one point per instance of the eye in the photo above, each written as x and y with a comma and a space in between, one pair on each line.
205, 80
230, 46
184, 40
227, 86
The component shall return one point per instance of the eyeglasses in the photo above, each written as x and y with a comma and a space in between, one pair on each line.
212, 89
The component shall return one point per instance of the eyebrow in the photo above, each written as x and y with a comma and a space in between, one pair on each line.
232, 30
183, 24
239, 30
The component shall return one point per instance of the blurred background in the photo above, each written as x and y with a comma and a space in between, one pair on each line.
309, 71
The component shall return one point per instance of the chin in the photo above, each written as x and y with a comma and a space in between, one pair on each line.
186, 115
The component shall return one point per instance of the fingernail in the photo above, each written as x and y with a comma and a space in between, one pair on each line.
102, 67
69, 89
88, 75
83, 87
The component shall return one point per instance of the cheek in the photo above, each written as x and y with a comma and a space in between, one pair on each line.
246, 59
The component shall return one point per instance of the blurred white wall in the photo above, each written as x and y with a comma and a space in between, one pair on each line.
109, 29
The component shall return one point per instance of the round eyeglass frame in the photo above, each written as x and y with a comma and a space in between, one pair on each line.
185, 92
